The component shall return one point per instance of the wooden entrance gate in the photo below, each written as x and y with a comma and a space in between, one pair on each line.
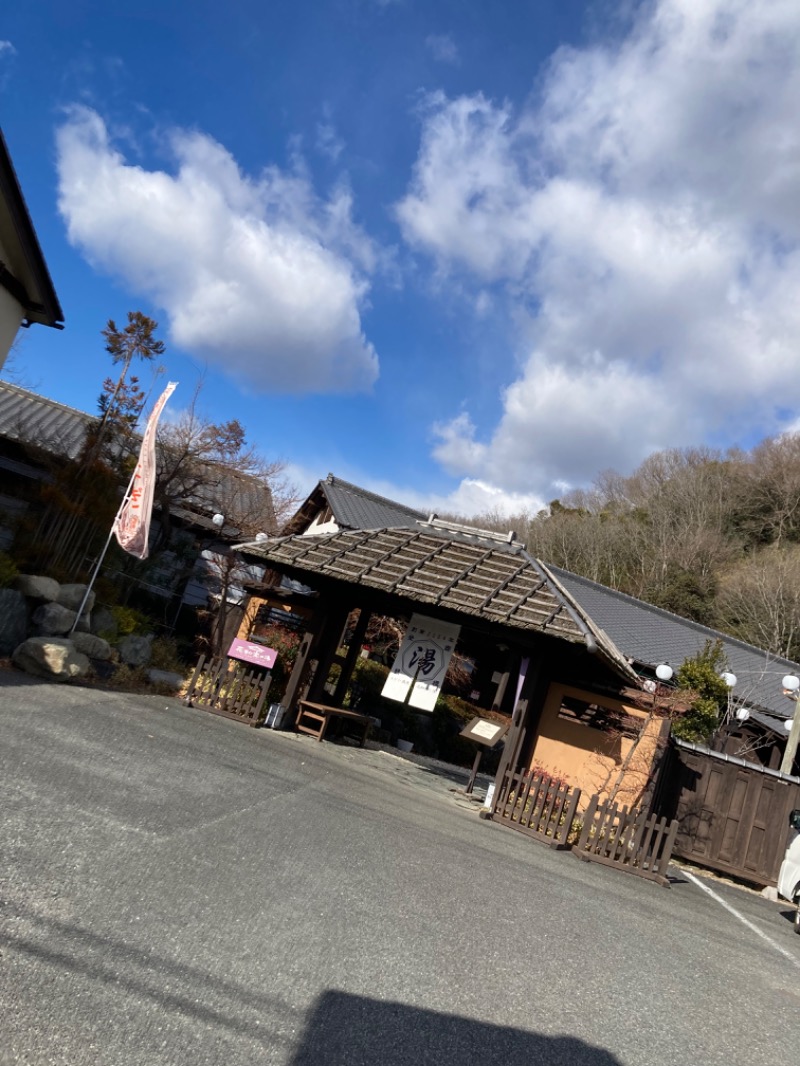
225, 686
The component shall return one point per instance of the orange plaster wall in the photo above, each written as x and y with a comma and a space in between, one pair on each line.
590, 759
249, 617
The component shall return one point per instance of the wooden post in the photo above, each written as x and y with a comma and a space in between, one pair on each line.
474, 773
299, 670
329, 638
351, 658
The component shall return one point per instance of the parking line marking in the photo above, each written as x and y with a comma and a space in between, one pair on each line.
745, 921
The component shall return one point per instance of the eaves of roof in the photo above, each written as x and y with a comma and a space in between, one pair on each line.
28, 418
40, 305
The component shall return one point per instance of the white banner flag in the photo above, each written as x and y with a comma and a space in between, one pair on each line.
132, 524
421, 662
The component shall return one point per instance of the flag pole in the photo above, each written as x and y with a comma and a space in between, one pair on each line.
132, 519
102, 556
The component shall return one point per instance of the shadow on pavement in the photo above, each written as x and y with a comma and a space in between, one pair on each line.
351, 1029
339, 1027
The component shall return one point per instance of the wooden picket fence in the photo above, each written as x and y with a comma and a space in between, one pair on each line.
630, 840
227, 687
534, 804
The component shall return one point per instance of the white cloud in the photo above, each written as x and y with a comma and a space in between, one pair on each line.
328, 141
443, 48
6, 47
646, 211
257, 276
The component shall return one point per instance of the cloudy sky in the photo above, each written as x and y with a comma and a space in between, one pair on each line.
467, 255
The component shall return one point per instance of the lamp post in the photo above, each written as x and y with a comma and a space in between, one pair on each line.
791, 688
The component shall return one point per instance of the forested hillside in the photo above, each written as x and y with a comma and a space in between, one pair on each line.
709, 535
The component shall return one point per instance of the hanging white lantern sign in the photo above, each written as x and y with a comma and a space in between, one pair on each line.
421, 663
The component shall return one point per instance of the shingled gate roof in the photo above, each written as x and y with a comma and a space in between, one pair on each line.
471, 572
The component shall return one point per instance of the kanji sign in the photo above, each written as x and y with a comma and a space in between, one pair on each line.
421, 663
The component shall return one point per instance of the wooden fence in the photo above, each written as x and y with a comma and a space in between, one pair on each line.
733, 815
630, 840
225, 686
547, 810
538, 806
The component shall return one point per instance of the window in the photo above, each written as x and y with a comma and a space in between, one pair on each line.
597, 716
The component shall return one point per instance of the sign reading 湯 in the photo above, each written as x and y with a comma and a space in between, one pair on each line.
421, 663
250, 652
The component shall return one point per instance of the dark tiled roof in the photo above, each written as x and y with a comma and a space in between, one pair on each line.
356, 508
352, 508
469, 571
35, 420
32, 419
650, 635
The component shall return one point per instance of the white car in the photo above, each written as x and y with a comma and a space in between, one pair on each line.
789, 875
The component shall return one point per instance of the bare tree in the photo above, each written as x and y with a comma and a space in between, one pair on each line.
209, 466
759, 600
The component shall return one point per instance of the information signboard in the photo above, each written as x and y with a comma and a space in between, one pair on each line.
250, 652
484, 731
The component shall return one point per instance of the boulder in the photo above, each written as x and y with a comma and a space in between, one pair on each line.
166, 678
72, 596
135, 651
51, 657
37, 588
13, 620
51, 619
94, 647
104, 624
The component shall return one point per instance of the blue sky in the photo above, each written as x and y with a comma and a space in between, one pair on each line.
469, 256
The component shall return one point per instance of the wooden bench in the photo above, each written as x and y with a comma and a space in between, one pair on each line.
314, 719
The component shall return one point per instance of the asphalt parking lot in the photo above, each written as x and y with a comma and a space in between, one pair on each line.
178, 888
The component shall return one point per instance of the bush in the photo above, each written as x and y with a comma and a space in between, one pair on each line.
130, 621
700, 675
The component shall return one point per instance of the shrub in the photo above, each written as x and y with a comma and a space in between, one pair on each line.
130, 621
700, 675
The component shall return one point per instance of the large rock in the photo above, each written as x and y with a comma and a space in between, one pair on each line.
52, 658
72, 596
37, 588
13, 620
104, 624
94, 647
135, 651
52, 620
